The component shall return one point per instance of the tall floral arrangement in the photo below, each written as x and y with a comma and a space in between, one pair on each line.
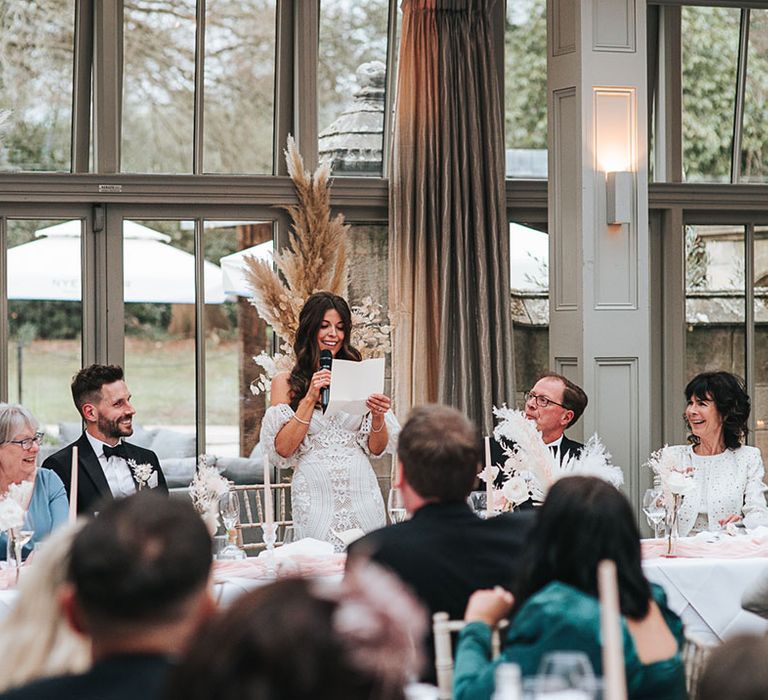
315, 260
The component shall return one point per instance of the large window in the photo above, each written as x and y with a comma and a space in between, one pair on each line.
525, 89
36, 84
351, 80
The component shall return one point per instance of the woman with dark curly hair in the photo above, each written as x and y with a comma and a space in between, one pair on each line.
334, 487
728, 474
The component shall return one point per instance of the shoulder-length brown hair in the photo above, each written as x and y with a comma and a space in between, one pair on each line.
305, 346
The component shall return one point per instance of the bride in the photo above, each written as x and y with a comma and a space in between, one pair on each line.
334, 487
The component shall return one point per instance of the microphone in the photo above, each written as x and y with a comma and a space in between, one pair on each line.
326, 360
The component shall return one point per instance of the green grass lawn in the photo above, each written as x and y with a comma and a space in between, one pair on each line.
160, 375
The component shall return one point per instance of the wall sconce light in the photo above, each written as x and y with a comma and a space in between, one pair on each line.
618, 197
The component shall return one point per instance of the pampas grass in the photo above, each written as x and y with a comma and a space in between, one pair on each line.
315, 260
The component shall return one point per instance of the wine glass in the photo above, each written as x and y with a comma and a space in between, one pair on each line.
229, 509
396, 506
653, 507
478, 502
565, 670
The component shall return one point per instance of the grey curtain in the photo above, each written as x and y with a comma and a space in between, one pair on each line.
449, 241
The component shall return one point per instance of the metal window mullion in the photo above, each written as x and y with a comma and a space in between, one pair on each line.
81, 87
283, 118
390, 87
741, 85
93, 288
749, 319
198, 143
113, 262
200, 335
306, 37
4, 334
107, 84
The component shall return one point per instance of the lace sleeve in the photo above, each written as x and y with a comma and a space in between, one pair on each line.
272, 423
755, 510
393, 430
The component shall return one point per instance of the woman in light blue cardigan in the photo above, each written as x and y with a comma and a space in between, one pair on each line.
19, 446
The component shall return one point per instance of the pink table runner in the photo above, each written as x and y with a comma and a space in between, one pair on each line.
727, 547
298, 565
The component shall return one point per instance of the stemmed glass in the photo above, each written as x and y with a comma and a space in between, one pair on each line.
17, 538
653, 507
229, 509
560, 671
396, 506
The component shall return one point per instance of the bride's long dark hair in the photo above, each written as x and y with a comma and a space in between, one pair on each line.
305, 346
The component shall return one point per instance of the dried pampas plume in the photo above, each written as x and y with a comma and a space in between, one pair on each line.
315, 260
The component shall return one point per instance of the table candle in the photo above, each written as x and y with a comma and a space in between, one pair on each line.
269, 516
73, 487
615, 687
488, 478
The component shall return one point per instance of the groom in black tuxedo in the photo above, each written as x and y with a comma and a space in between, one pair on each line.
105, 461
554, 404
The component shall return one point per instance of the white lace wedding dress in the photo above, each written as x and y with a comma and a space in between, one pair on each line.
334, 487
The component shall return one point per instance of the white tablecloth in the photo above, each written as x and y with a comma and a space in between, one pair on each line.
706, 594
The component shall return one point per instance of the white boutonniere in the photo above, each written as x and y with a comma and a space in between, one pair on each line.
142, 473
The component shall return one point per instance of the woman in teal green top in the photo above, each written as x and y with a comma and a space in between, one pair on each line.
555, 607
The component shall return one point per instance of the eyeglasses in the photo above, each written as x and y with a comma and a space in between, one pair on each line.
26, 443
541, 401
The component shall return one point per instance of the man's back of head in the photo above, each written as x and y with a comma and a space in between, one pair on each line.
440, 451
139, 565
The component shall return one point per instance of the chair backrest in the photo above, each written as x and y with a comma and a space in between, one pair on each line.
250, 535
442, 627
695, 655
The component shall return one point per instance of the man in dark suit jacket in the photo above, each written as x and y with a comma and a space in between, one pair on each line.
554, 404
444, 552
138, 587
106, 463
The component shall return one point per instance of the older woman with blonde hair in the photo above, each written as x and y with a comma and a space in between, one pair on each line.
36, 640
47, 504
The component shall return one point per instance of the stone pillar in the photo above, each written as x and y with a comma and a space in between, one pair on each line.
600, 306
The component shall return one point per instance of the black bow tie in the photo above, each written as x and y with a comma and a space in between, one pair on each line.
116, 451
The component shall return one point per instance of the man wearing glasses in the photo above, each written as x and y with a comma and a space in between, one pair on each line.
554, 404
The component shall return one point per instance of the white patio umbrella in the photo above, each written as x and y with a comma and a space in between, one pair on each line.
233, 268
154, 272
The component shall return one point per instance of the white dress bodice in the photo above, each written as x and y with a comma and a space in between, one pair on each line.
334, 487
727, 483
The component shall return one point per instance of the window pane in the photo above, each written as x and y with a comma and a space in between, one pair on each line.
158, 86
525, 89
45, 322
234, 334
159, 293
529, 282
754, 149
714, 299
760, 399
239, 86
351, 76
709, 89
36, 84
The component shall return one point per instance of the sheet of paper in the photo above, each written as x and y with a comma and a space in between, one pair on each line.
352, 383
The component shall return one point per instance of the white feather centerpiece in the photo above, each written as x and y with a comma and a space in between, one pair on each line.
529, 458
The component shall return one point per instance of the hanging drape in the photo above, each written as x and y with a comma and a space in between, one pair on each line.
448, 238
